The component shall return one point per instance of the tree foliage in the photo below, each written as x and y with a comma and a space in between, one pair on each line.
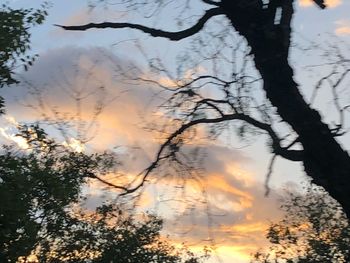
314, 229
15, 26
111, 235
41, 213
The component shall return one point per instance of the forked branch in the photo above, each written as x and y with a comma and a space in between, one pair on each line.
166, 150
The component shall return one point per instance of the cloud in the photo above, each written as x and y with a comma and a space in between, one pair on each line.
223, 202
74, 85
342, 27
12, 138
329, 3
236, 233
74, 145
8, 131
233, 214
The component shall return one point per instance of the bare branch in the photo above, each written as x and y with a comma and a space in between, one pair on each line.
210, 2
175, 36
268, 175
108, 183
293, 155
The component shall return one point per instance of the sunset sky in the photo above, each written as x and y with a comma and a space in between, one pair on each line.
85, 63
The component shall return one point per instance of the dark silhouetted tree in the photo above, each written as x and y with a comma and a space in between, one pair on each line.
111, 235
37, 185
266, 27
15, 26
314, 229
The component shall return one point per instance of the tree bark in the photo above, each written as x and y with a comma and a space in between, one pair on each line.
324, 159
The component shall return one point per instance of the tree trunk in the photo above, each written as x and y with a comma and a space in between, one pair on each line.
324, 159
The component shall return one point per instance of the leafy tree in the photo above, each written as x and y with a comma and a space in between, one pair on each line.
40, 190
314, 229
266, 28
37, 187
111, 235
15, 25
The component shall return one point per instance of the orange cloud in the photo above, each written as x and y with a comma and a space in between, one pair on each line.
247, 227
342, 27
344, 30
218, 184
240, 174
236, 253
231, 191
329, 3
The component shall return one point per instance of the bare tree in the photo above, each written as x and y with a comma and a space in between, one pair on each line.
266, 27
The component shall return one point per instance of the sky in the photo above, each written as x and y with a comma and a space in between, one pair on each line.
226, 207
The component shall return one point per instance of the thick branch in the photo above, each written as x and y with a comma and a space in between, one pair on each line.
210, 2
175, 36
324, 159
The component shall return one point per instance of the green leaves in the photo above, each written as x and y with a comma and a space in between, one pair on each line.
314, 229
37, 186
15, 25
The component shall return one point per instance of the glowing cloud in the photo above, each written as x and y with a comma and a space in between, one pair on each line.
343, 27
75, 145
232, 192
329, 3
21, 142
9, 133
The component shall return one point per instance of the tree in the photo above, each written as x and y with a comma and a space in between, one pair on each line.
15, 41
42, 217
266, 27
36, 189
111, 235
314, 229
